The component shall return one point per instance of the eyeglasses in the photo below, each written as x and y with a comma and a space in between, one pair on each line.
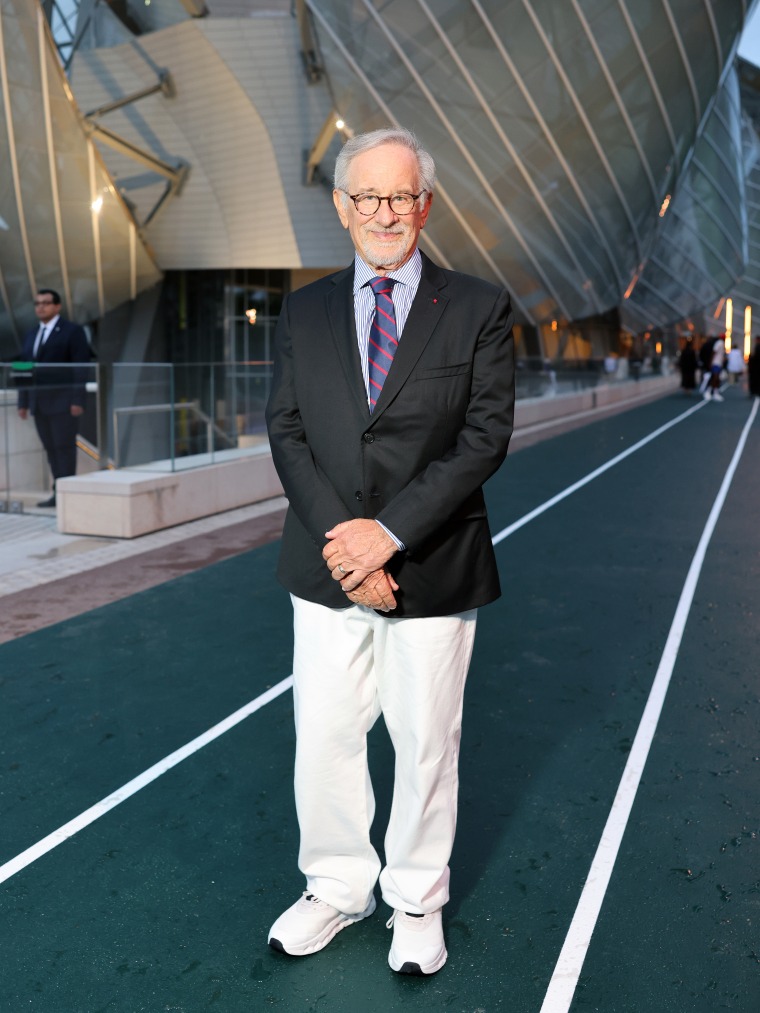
368, 204
44, 302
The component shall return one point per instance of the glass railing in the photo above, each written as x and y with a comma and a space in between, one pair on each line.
165, 417
540, 378
158, 417
170, 417
29, 393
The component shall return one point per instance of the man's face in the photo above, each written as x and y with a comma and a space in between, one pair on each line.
384, 240
45, 308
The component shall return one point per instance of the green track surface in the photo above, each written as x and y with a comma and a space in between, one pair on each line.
164, 903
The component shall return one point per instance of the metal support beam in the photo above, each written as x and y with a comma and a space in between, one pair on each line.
174, 174
312, 65
164, 84
332, 125
171, 172
195, 8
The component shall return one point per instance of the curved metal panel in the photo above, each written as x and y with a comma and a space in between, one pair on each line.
46, 198
559, 131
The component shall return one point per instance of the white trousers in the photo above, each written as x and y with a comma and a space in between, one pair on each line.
350, 665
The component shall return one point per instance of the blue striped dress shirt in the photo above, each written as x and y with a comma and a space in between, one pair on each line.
407, 280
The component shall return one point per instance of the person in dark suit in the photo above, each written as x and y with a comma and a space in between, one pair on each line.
753, 369
57, 398
392, 402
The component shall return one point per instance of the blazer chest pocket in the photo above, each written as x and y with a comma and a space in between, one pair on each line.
443, 372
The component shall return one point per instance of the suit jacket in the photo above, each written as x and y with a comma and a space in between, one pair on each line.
54, 390
441, 427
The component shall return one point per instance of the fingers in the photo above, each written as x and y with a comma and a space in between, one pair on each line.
358, 544
375, 591
348, 578
337, 530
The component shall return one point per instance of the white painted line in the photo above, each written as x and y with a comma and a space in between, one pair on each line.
506, 532
564, 980
598, 411
89, 816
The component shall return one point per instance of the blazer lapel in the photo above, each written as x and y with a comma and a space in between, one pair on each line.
45, 351
340, 312
424, 315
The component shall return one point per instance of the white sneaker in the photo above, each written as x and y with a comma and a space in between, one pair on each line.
418, 946
706, 396
718, 397
309, 925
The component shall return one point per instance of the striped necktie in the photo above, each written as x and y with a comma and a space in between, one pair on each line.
383, 337
39, 340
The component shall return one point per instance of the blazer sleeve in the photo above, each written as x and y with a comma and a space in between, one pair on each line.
433, 497
313, 498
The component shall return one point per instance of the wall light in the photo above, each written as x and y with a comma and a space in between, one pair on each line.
747, 331
729, 318
251, 314
96, 205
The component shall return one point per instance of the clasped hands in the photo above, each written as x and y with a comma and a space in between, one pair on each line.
356, 554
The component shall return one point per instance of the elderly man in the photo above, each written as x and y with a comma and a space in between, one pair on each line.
392, 403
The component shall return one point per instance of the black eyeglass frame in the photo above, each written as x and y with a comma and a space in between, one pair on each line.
356, 196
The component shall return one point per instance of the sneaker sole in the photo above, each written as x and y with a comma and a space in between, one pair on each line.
410, 967
320, 941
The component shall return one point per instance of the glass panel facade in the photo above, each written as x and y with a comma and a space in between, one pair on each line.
205, 322
601, 104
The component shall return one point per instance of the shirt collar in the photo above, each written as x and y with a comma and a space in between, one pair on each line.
408, 274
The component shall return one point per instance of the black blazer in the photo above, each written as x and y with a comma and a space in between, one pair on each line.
53, 390
441, 427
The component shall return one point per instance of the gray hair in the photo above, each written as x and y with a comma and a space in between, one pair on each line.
360, 143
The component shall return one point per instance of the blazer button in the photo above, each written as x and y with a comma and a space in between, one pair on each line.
369, 437
359, 495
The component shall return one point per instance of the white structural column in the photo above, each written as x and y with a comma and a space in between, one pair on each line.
43, 50
132, 233
13, 155
95, 217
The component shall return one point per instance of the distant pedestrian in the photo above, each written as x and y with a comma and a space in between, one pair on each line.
58, 397
753, 370
717, 365
687, 364
635, 359
735, 364
705, 361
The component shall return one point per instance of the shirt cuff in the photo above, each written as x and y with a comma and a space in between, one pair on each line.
399, 544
